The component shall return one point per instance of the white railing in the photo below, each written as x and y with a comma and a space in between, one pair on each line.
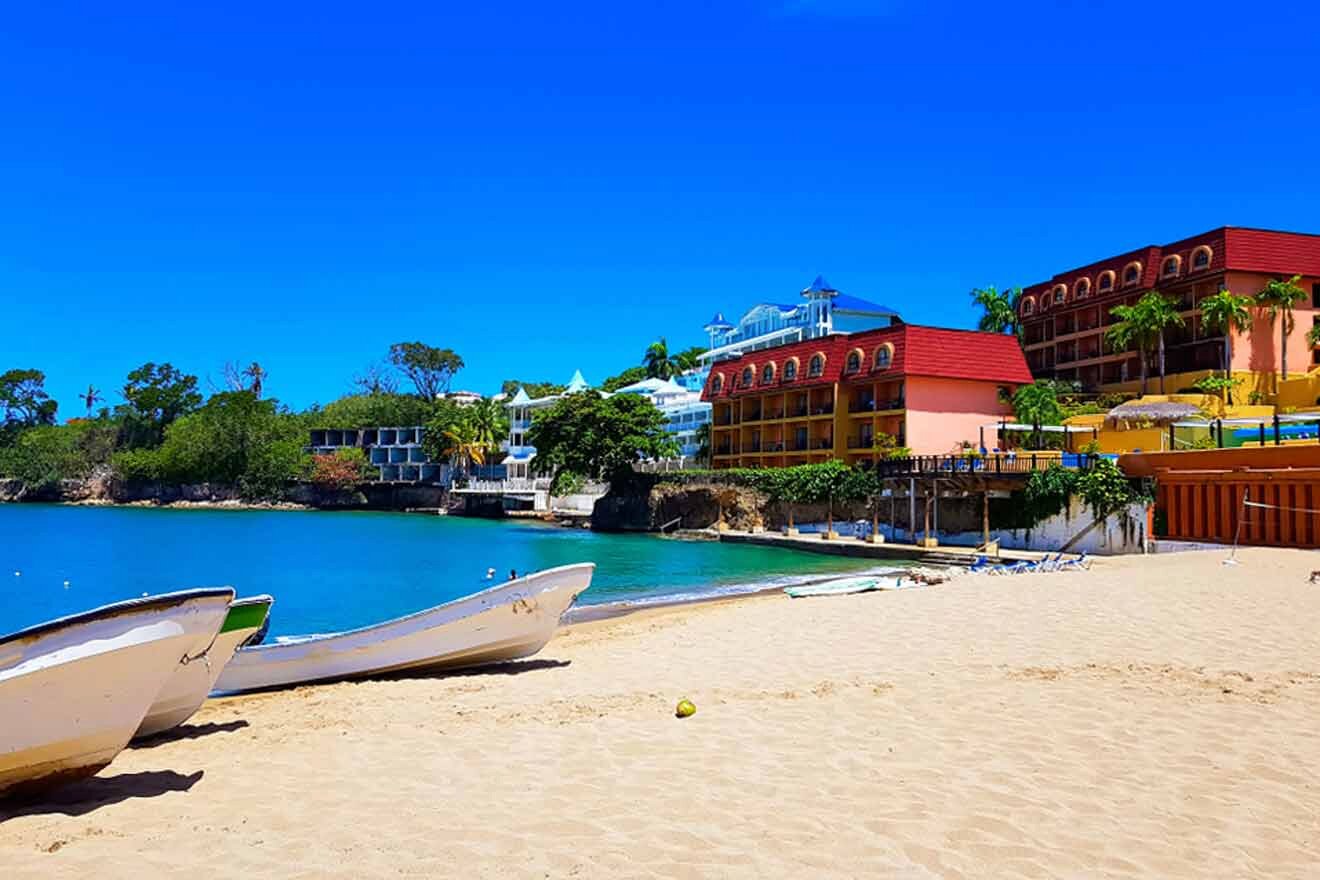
539, 484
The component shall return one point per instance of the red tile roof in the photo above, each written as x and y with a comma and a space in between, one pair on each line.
1232, 248
917, 351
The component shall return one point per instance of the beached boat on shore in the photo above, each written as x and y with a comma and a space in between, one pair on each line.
75, 689
507, 622
846, 586
186, 690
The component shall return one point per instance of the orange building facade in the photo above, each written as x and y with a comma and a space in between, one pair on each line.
930, 389
1064, 319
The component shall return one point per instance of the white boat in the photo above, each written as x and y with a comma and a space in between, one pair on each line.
845, 586
186, 690
74, 690
507, 622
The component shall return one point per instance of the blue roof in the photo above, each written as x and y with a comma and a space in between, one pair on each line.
820, 285
718, 322
853, 304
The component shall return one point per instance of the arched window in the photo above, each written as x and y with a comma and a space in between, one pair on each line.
768, 374
1060, 294
884, 355
1082, 289
1201, 257
816, 366
747, 377
717, 384
1131, 274
1170, 266
1028, 305
854, 362
1106, 282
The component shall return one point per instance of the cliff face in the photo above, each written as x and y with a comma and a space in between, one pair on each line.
648, 505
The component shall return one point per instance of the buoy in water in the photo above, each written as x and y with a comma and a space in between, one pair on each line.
685, 709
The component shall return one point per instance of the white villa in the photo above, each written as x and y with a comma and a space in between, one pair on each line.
682, 406
823, 311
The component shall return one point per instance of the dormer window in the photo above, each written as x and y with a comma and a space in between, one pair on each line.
884, 355
854, 361
1083, 289
1028, 306
1060, 295
1201, 258
747, 377
767, 374
717, 384
1106, 282
1170, 267
1131, 274
816, 366
790, 370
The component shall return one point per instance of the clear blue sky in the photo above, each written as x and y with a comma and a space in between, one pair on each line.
544, 187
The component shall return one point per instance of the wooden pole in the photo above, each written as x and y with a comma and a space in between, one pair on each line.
985, 519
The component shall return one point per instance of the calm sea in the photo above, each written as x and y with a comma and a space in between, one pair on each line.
334, 571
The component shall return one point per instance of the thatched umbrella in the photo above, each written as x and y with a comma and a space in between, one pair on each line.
1155, 412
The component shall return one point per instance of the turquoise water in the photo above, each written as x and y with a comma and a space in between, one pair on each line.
334, 571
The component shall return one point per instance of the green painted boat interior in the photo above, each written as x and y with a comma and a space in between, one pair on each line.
246, 614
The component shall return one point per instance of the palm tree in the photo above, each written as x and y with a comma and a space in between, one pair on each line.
1144, 325
999, 309
257, 376
91, 398
1160, 313
658, 361
1226, 312
1037, 405
703, 444
490, 422
462, 445
1278, 297
1130, 332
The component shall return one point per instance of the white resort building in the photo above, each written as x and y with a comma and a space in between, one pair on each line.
823, 311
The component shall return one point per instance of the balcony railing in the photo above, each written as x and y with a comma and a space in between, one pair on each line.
861, 406
799, 412
1010, 463
863, 442
823, 410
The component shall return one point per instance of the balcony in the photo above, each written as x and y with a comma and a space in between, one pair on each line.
891, 404
773, 415
863, 442
864, 405
823, 410
798, 412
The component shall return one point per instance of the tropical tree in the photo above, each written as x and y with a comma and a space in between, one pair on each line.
156, 395
1224, 313
659, 363
703, 443
1037, 405
619, 380
430, 369
1159, 313
463, 445
1313, 335
1143, 325
587, 436
1278, 297
999, 309
490, 423
256, 376
24, 402
90, 398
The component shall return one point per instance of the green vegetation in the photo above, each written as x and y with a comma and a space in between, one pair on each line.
1225, 312
1037, 405
588, 436
430, 369
166, 431
342, 470
619, 380
998, 309
533, 389
661, 364
1144, 325
1278, 298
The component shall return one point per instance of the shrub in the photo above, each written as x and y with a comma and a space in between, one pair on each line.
342, 470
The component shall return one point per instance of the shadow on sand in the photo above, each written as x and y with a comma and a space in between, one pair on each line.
189, 731
507, 668
87, 795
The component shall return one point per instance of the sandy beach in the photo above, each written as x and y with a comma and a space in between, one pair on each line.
1154, 717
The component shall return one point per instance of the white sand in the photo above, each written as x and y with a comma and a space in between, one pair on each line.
1151, 718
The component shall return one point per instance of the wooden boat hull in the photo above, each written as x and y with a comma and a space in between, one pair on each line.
191, 683
82, 684
507, 622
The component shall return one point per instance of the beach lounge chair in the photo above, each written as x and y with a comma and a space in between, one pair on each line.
980, 565
1012, 568
1081, 563
1049, 563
